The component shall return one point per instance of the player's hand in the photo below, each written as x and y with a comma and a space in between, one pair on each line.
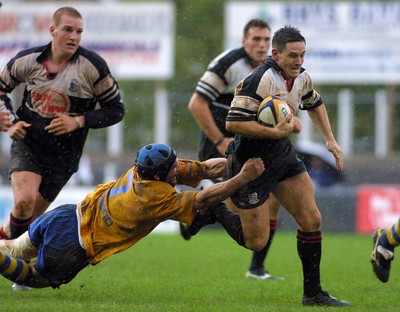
17, 131
284, 128
298, 125
5, 121
336, 151
252, 169
61, 124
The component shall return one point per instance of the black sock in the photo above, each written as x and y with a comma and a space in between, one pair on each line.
230, 222
258, 258
309, 249
18, 226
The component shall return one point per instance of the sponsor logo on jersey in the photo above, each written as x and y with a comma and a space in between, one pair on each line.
47, 102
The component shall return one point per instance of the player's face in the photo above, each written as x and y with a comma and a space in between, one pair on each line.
291, 58
171, 177
256, 44
67, 35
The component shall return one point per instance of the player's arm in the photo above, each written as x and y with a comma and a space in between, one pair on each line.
242, 119
214, 168
14, 126
218, 192
200, 109
5, 122
319, 117
111, 111
253, 129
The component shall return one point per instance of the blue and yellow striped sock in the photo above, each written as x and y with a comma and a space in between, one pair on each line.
390, 237
16, 270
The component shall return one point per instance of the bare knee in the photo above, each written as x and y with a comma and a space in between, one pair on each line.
310, 222
256, 243
23, 208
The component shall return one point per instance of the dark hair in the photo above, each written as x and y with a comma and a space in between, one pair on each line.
256, 22
155, 159
284, 35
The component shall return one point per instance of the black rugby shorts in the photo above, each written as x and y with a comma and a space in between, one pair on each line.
255, 193
54, 175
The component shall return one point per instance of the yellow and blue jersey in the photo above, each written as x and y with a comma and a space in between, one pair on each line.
118, 214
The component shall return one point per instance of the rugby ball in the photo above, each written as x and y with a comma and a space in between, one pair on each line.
272, 110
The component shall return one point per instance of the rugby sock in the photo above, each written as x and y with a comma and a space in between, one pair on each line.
231, 223
390, 237
18, 226
309, 248
258, 258
16, 270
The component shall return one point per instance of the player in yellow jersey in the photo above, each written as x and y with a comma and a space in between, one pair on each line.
118, 214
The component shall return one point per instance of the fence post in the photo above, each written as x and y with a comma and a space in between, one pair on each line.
345, 121
381, 124
161, 114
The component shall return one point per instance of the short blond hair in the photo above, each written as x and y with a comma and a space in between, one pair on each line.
56, 19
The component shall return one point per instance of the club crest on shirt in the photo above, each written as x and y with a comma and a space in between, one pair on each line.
73, 85
30, 82
253, 198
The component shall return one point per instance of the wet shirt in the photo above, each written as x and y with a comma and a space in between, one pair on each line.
267, 80
217, 86
82, 82
117, 215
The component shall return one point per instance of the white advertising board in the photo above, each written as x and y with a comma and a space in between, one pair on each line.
136, 39
347, 42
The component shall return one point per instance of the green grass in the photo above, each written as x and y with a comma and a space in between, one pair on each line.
165, 273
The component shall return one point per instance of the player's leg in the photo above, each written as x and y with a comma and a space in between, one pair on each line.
296, 194
201, 219
25, 186
247, 227
257, 267
13, 262
384, 243
25, 175
20, 272
255, 226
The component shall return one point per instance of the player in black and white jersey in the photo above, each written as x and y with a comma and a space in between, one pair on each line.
211, 102
63, 84
214, 92
285, 175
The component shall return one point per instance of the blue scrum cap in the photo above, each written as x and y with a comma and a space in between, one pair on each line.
155, 159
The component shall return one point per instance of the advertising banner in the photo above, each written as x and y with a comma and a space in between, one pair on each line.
136, 39
376, 206
347, 42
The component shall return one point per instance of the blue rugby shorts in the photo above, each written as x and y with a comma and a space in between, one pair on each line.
60, 255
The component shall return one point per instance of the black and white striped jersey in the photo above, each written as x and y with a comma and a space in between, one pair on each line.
217, 86
81, 84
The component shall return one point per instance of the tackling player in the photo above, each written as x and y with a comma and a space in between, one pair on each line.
116, 215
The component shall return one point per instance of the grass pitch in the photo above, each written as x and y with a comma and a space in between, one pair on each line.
165, 273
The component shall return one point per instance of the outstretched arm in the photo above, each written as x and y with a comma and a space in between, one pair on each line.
218, 192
